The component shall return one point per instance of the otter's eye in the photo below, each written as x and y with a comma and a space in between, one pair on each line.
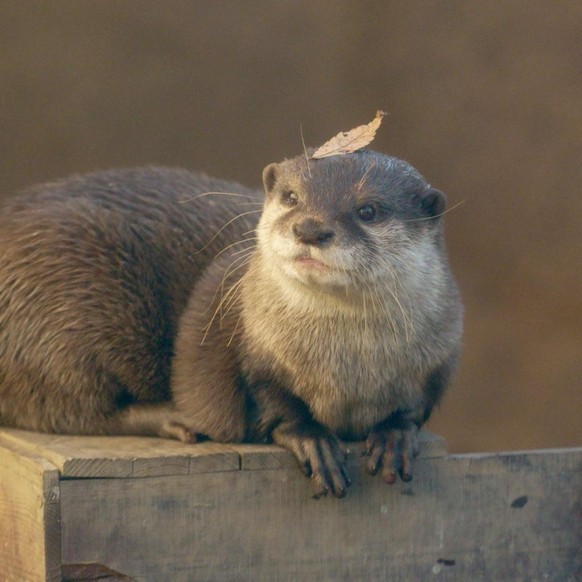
367, 213
289, 198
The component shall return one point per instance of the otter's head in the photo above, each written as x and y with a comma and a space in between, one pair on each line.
342, 222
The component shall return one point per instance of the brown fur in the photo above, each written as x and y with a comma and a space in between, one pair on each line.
94, 273
124, 311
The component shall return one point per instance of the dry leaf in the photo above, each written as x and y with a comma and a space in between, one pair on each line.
347, 142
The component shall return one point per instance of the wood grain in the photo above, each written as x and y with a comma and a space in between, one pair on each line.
30, 536
257, 457
468, 517
123, 457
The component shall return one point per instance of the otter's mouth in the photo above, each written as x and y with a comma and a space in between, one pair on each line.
316, 273
309, 263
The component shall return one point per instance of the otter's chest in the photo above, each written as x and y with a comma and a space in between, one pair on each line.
350, 373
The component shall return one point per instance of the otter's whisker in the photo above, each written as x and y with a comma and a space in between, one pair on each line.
365, 314
363, 178
235, 329
224, 226
235, 294
234, 244
245, 249
404, 293
383, 304
304, 149
220, 286
230, 270
436, 215
405, 317
206, 329
236, 194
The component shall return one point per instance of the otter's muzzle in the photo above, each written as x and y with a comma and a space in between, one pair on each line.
310, 231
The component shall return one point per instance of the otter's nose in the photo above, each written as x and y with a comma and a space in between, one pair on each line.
312, 232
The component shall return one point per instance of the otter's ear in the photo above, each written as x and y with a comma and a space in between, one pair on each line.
270, 177
433, 202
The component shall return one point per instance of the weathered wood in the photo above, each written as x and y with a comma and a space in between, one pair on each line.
466, 517
257, 457
123, 457
431, 445
30, 537
159, 510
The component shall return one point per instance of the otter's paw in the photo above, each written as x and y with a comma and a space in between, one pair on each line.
179, 431
393, 450
321, 456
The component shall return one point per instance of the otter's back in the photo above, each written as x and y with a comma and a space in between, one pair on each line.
94, 273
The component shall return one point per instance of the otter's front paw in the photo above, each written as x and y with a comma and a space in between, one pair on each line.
179, 431
321, 456
393, 450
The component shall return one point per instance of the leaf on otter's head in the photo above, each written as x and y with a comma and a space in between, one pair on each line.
346, 142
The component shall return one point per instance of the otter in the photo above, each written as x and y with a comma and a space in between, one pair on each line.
160, 302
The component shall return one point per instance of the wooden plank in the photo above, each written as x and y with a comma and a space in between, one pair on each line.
30, 540
431, 445
464, 517
213, 457
259, 457
118, 457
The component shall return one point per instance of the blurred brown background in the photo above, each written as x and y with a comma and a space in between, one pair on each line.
485, 98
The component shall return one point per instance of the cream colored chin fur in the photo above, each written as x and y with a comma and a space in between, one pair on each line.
353, 281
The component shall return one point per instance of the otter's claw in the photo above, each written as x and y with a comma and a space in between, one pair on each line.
393, 450
321, 456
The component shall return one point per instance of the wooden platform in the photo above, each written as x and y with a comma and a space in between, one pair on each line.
81, 508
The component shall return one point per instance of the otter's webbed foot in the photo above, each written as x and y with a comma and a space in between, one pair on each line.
321, 456
392, 448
